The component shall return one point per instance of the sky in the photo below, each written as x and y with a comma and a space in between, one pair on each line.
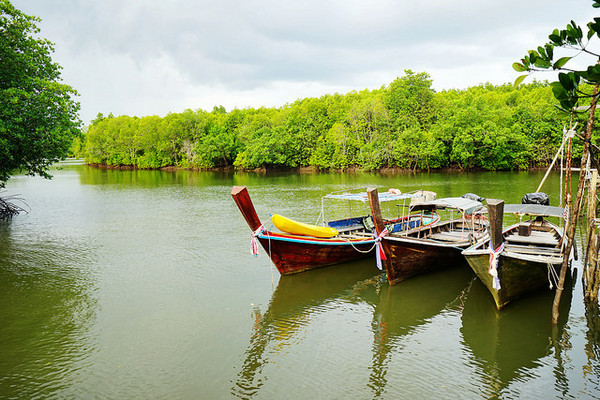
153, 57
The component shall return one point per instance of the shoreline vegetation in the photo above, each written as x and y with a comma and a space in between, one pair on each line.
405, 126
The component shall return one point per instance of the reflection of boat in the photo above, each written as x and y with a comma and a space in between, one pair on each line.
433, 247
529, 259
300, 299
295, 299
401, 309
509, 345
352, 238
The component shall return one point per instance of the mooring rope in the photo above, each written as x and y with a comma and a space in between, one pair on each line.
552, 275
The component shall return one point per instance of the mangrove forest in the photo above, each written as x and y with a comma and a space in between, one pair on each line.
404, 125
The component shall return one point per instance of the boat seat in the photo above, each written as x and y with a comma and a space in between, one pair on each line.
450, 236
535, 238
553, 251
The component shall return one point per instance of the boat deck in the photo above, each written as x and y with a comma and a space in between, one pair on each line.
536, 238
450, 236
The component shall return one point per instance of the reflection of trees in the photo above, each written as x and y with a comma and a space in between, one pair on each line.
397, 311
44, 308
507, 345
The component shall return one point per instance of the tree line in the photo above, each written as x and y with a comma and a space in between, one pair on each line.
405, 124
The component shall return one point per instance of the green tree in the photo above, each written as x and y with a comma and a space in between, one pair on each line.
568, 90
38, 114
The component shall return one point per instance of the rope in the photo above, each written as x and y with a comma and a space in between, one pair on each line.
493, 266
254, 245
379, 251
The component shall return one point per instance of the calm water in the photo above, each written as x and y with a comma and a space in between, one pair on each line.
140, 284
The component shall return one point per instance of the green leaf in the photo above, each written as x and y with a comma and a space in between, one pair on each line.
533, 56
550, 51
541, 63
519, 67
565, 81
542, 52
519, 79
561, 62
595, 27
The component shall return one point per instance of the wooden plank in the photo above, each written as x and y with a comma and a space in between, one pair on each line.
450, 236
535, 240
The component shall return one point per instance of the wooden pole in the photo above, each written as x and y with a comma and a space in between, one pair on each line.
592, 195
574, 214
495, 214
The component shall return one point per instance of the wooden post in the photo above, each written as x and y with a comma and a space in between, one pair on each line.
375, 210
378, 220
495, 214
242, 199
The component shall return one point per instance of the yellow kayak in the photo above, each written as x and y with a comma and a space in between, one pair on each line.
298, 228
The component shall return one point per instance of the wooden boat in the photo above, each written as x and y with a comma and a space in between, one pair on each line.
433, 247
292, 252
529, 258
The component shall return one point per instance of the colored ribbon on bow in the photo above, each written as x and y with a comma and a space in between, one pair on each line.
257, 232
380, 254
493, 267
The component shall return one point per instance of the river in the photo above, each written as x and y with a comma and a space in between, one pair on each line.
140, 284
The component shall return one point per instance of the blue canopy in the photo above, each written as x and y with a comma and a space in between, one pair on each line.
383, 196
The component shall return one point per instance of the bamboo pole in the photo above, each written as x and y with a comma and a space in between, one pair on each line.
574, 214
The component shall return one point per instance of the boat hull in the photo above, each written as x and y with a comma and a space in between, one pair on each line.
407, 257
518, 275
292, 254
530, 260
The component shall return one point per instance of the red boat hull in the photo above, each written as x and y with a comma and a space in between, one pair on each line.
292, 254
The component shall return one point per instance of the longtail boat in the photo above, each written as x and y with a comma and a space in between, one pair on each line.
527, 257
306, 246
433, 247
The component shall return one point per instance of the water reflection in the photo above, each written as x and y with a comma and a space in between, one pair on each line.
293, 302
592, 346
401, 309
507, 346
396, 311
45, 309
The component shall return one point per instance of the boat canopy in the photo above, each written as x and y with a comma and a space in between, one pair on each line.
383, 196
534, 210
465, 206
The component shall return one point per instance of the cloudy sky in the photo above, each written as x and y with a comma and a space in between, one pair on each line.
152, 57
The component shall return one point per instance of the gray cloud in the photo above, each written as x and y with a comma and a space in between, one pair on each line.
143, 57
